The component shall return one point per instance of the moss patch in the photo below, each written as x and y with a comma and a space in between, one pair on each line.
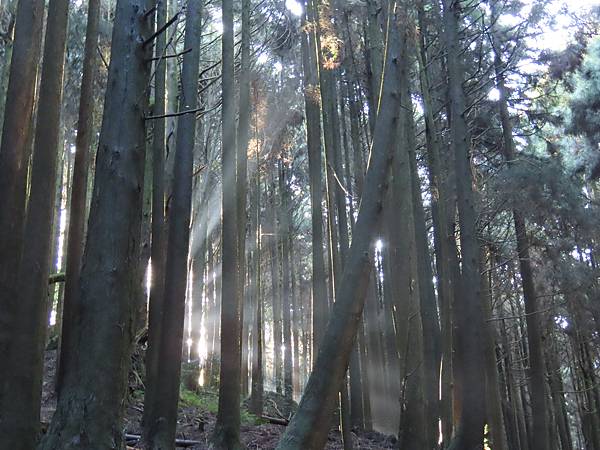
208, 400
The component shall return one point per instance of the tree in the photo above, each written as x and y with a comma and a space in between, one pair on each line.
310, 425
22, 387
15, 149
583, 112
242, 139
257, 389
78, 204
227, 428
96, 384
164, 409
468, 314
158, 244
534, 335
313, 138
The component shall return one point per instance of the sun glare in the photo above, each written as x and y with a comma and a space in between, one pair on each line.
294, 7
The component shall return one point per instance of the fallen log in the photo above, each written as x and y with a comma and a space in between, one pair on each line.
135, 438
276, 420
56, 278
178, 442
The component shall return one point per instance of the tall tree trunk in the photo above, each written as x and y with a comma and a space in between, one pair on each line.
227, 428
200, 202
78, 207
62, 184
310, 425
14, 158
90, 409
275, 289
296, 319
243, 131
534, 338
164, 409
283, 234
359, 379
374, 55
322, 15
441, 230
257, 389
468, 314
211, 309
22, 387
558, 397
158, 243
145, 244
493, 399
313, 139
430, 326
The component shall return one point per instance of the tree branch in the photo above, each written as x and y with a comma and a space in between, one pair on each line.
160, 30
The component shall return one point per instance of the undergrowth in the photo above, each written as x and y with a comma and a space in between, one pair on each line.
207, 400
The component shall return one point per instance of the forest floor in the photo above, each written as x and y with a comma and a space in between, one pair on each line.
197, 416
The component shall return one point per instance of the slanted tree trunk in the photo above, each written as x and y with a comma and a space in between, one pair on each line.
78, 207
22, 386
310, 425
90, 409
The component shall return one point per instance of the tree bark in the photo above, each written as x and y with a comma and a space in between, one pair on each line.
430, 326
158, 243
313, 139
493, 399
78, 207
164, 409
14, 157
90, 409
468, 314
227, 428
22, 387
283, 233
257, 389
243, 131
